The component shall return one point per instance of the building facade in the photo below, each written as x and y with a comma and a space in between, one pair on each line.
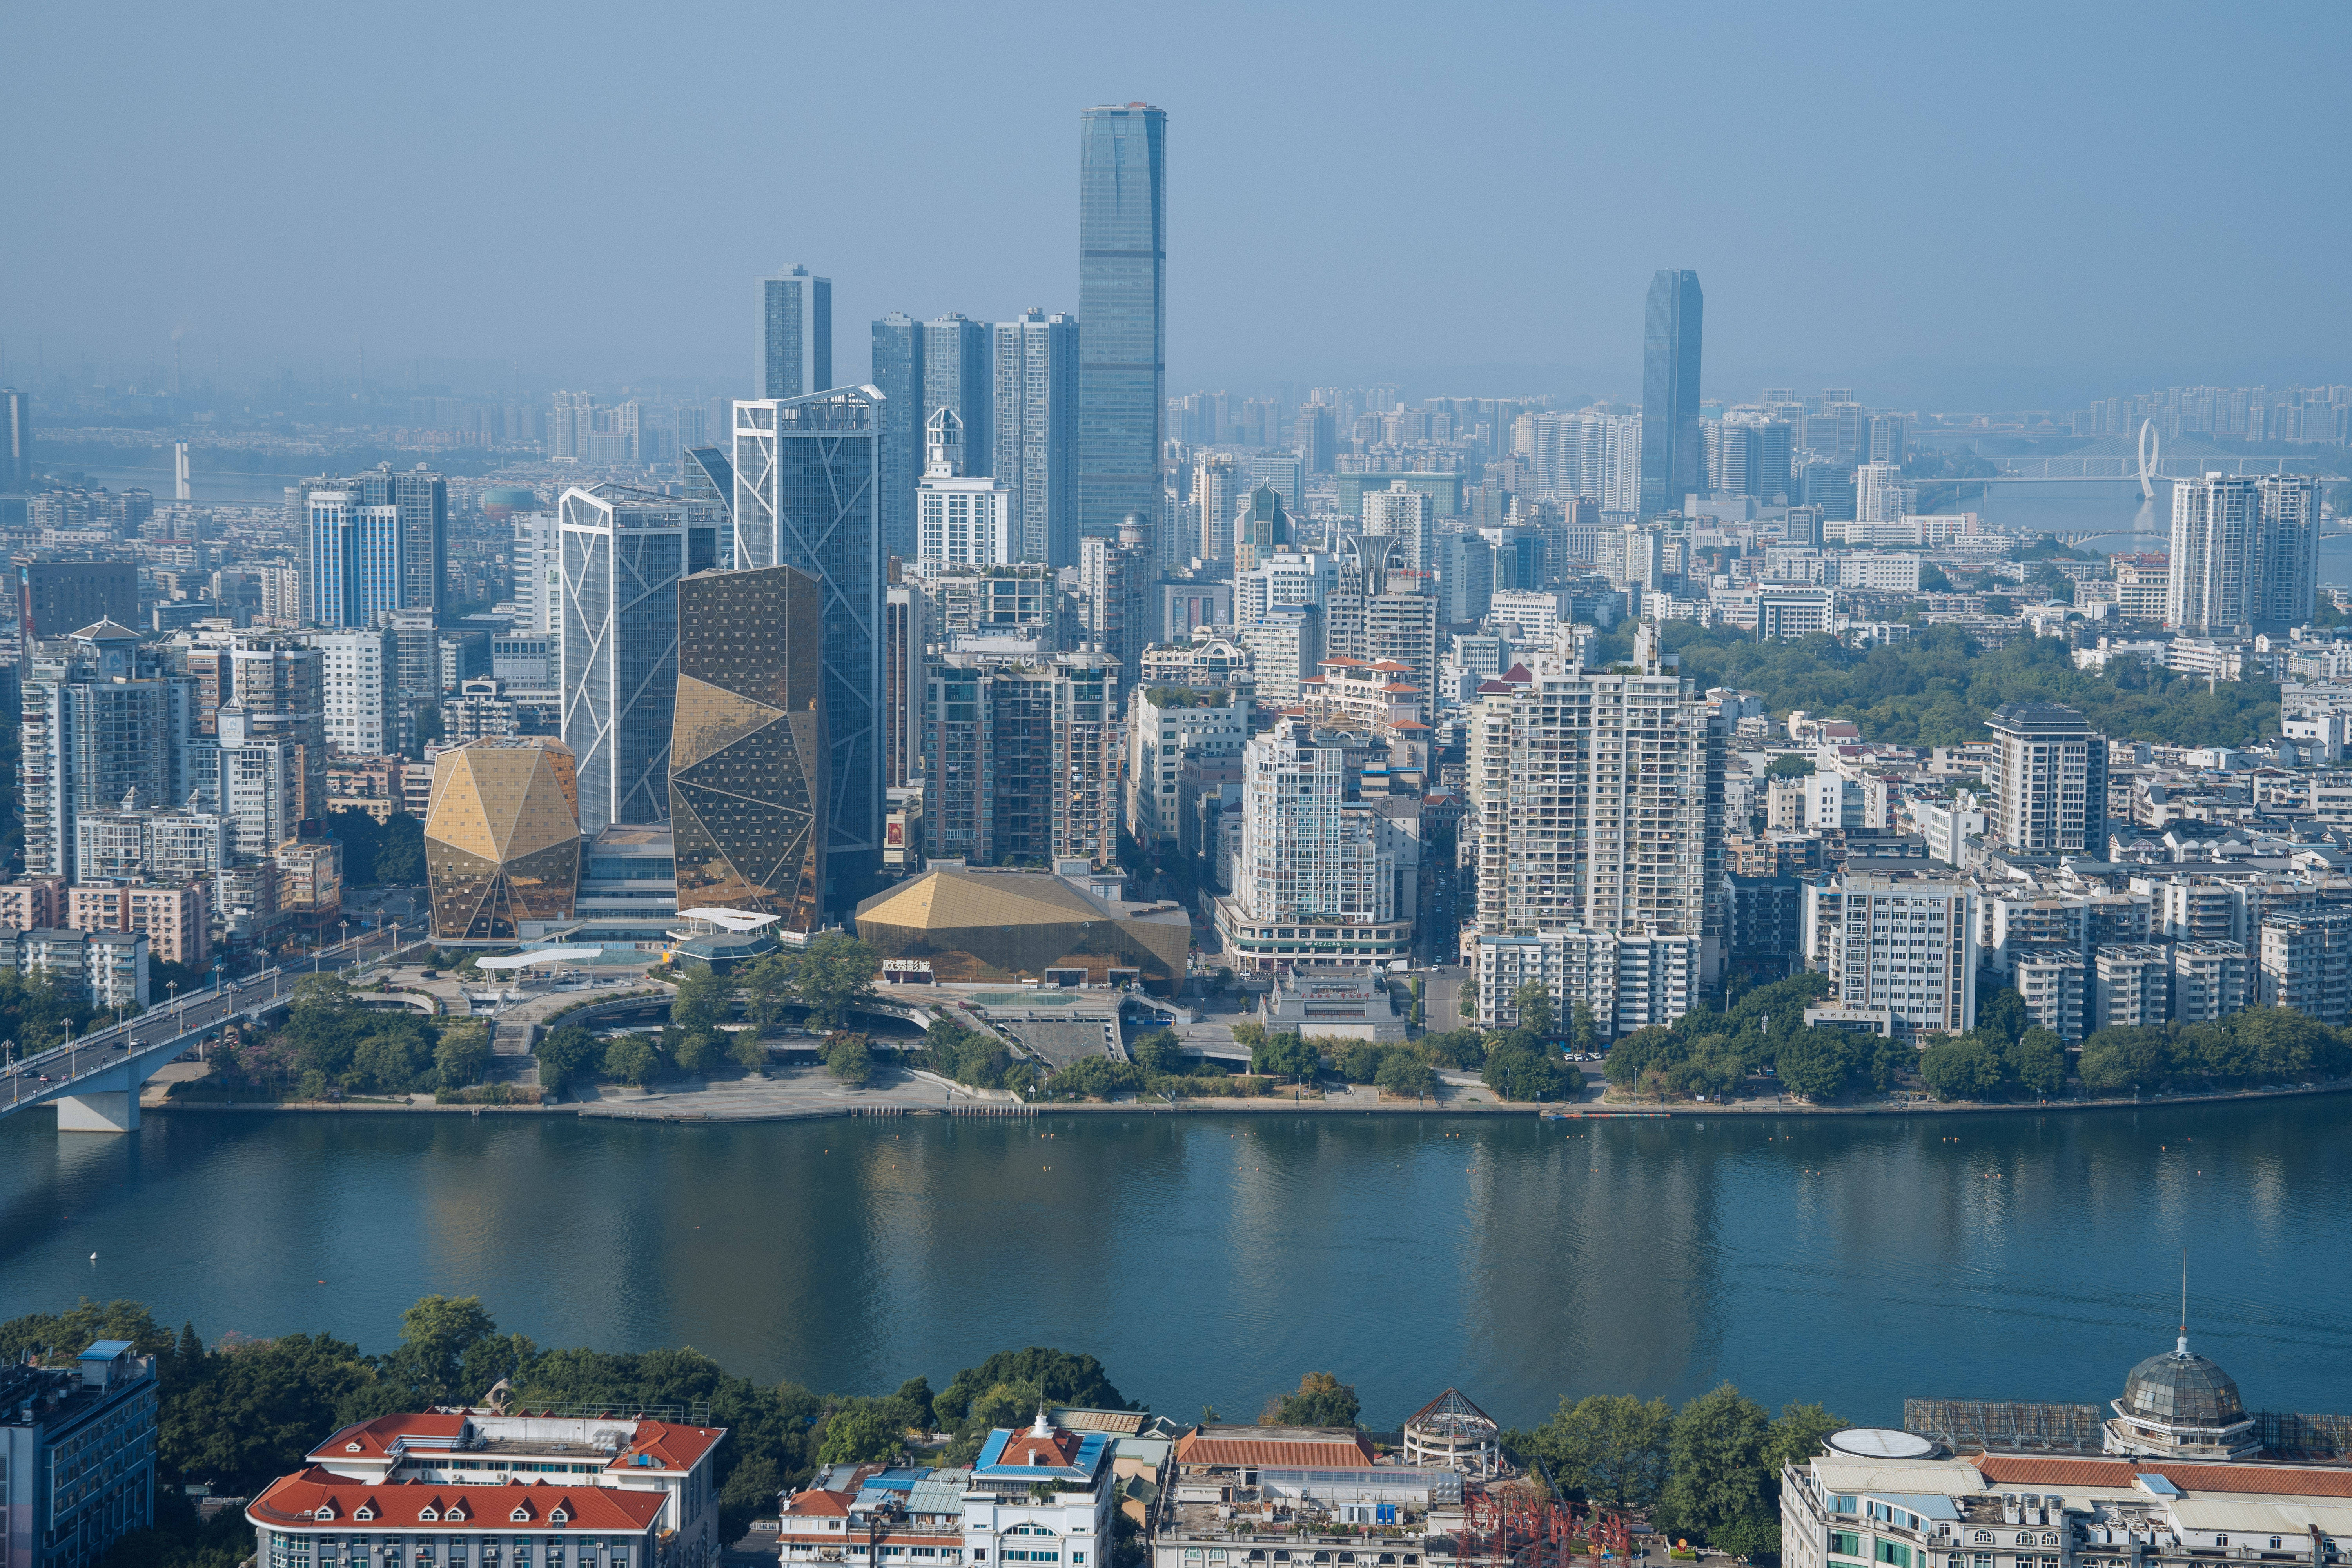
1034, 427
78, 1445
1672, 451
796, 334
1123, 302
2049, 782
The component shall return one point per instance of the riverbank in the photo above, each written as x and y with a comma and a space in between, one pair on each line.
692, 1105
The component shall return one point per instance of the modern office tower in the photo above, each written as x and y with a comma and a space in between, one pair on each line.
1261, 530
1315, 437
1878, 494
418, 501
15, 442
1115, 582
1020, 758
1035, 426
898, 373
960, 520
1123, 301
502, 837
1399, 514
1166, 730
359, 674
1286, 471
906, 635
708, 476
1906, 945
797, 339
1313, 888
807, 474
623, 551
1215, 502
538, 570
1890, 437
1465, 577
101, 718
2049, 782
1670, 373
2245, 552
958, 375
1598, 806
1734, 458
749, 763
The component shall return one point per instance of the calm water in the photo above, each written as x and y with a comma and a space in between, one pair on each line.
1213, 1260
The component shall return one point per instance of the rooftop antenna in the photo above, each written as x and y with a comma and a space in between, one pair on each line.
2181, 1347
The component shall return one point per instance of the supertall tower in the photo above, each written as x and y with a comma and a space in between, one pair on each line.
1122, 313
1670, 451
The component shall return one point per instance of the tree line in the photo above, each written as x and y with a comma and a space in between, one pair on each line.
331, 1046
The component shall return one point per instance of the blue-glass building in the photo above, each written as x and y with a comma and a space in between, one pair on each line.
1036, 432
796, 343
1122, 314
356, 559
898, 373
807, 486
1672, 456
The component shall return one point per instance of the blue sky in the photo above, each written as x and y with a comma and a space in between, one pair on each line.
1945, 206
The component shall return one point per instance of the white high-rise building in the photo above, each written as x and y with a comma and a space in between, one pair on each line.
1590, 455
360, 681
1401, 515
1907, 946
1216, 501
1313, 889
959, 520
2245, 552
1878, 494
1597, 805
538, 571
2049, 782
1159, 741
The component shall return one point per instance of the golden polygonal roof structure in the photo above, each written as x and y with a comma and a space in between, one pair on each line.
502, 798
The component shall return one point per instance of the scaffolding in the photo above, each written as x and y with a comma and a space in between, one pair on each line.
1515, 1524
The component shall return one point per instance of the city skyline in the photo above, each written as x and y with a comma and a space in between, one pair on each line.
1964, 256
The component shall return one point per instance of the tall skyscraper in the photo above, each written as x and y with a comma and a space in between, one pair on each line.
1123, 306
1035, 426
623, 551
1312, 433
797, 338
898, 373
419, 500
101, 719
807, 479
16, 441
1878, 494
2050, 781
2245, 552
353, 558
957, 376
1671, 466
1261, 528
749, 760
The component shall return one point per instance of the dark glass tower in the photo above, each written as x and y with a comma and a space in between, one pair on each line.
797, 336
899, 374
807, 475
749, 769
1122, 314
1671, 457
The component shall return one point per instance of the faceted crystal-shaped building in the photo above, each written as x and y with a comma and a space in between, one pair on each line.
750, 772
502, 837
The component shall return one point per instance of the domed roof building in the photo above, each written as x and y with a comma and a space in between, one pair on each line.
2181, 1406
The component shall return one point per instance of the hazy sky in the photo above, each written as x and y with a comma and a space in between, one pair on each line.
1941, 206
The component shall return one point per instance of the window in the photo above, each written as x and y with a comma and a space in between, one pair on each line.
1840, 1503
1984, 1538
2025, 1538
1895, 1553
2220, 1540
1847, 1543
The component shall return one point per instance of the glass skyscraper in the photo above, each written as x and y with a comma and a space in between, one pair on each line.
807, 482
1122, 314
1672, 459
1036, 432
898, 373
797, 341
623, 551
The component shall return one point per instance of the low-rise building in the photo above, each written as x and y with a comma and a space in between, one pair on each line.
1043, 1494
1351, 1007
2051, 979
2132, 986
316, 1516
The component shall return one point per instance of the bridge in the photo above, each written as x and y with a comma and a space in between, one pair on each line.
94, 1080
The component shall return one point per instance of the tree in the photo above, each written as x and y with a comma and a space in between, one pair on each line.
632, 1059
2036, 1063
1815, 1063
563, 1055
1158, 1053
1798, 1435
1609, 1446
434, 1335
1533, 1000
703, 1000
1967, 1067
700, 1050
835, 973
2003, 1014
847, 1058
860, 1431
463, 1055
767, 987
1282, 1056
1057, 1376
1582, 1029
2118, 1059
1716, 1454
1403, 1074
1322, 1400
1515, 1070
1790, 766
749, 1053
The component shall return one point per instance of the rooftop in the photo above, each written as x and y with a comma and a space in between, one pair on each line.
317, 1497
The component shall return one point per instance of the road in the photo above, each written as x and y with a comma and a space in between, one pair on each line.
106, 1047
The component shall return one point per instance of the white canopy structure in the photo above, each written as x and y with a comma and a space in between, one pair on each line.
544, 955
729, 919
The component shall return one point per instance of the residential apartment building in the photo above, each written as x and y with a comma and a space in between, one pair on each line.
1907, 946
1313, 887
358, 691
1167, 727
1020, 758
79, 1444
2049, 782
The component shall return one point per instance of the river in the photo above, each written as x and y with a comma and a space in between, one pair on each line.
1210, 1261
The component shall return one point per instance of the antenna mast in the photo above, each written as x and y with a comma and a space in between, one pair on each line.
2182, 1347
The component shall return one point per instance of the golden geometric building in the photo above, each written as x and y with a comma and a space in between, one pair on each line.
750, 753
967, 924
503, 836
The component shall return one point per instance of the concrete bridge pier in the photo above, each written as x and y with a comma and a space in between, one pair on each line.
99, 1110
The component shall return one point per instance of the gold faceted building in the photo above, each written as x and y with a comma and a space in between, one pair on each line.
964, 925
502, 837
750, 753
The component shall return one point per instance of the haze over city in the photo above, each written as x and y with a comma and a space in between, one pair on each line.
1987, 208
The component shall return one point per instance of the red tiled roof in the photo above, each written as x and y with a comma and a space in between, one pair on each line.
293, 1501
818, 1502
374, 1440
1519, 672
1486, 686
1999, 1469
1322, 1452
675, 1447
1391, 663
